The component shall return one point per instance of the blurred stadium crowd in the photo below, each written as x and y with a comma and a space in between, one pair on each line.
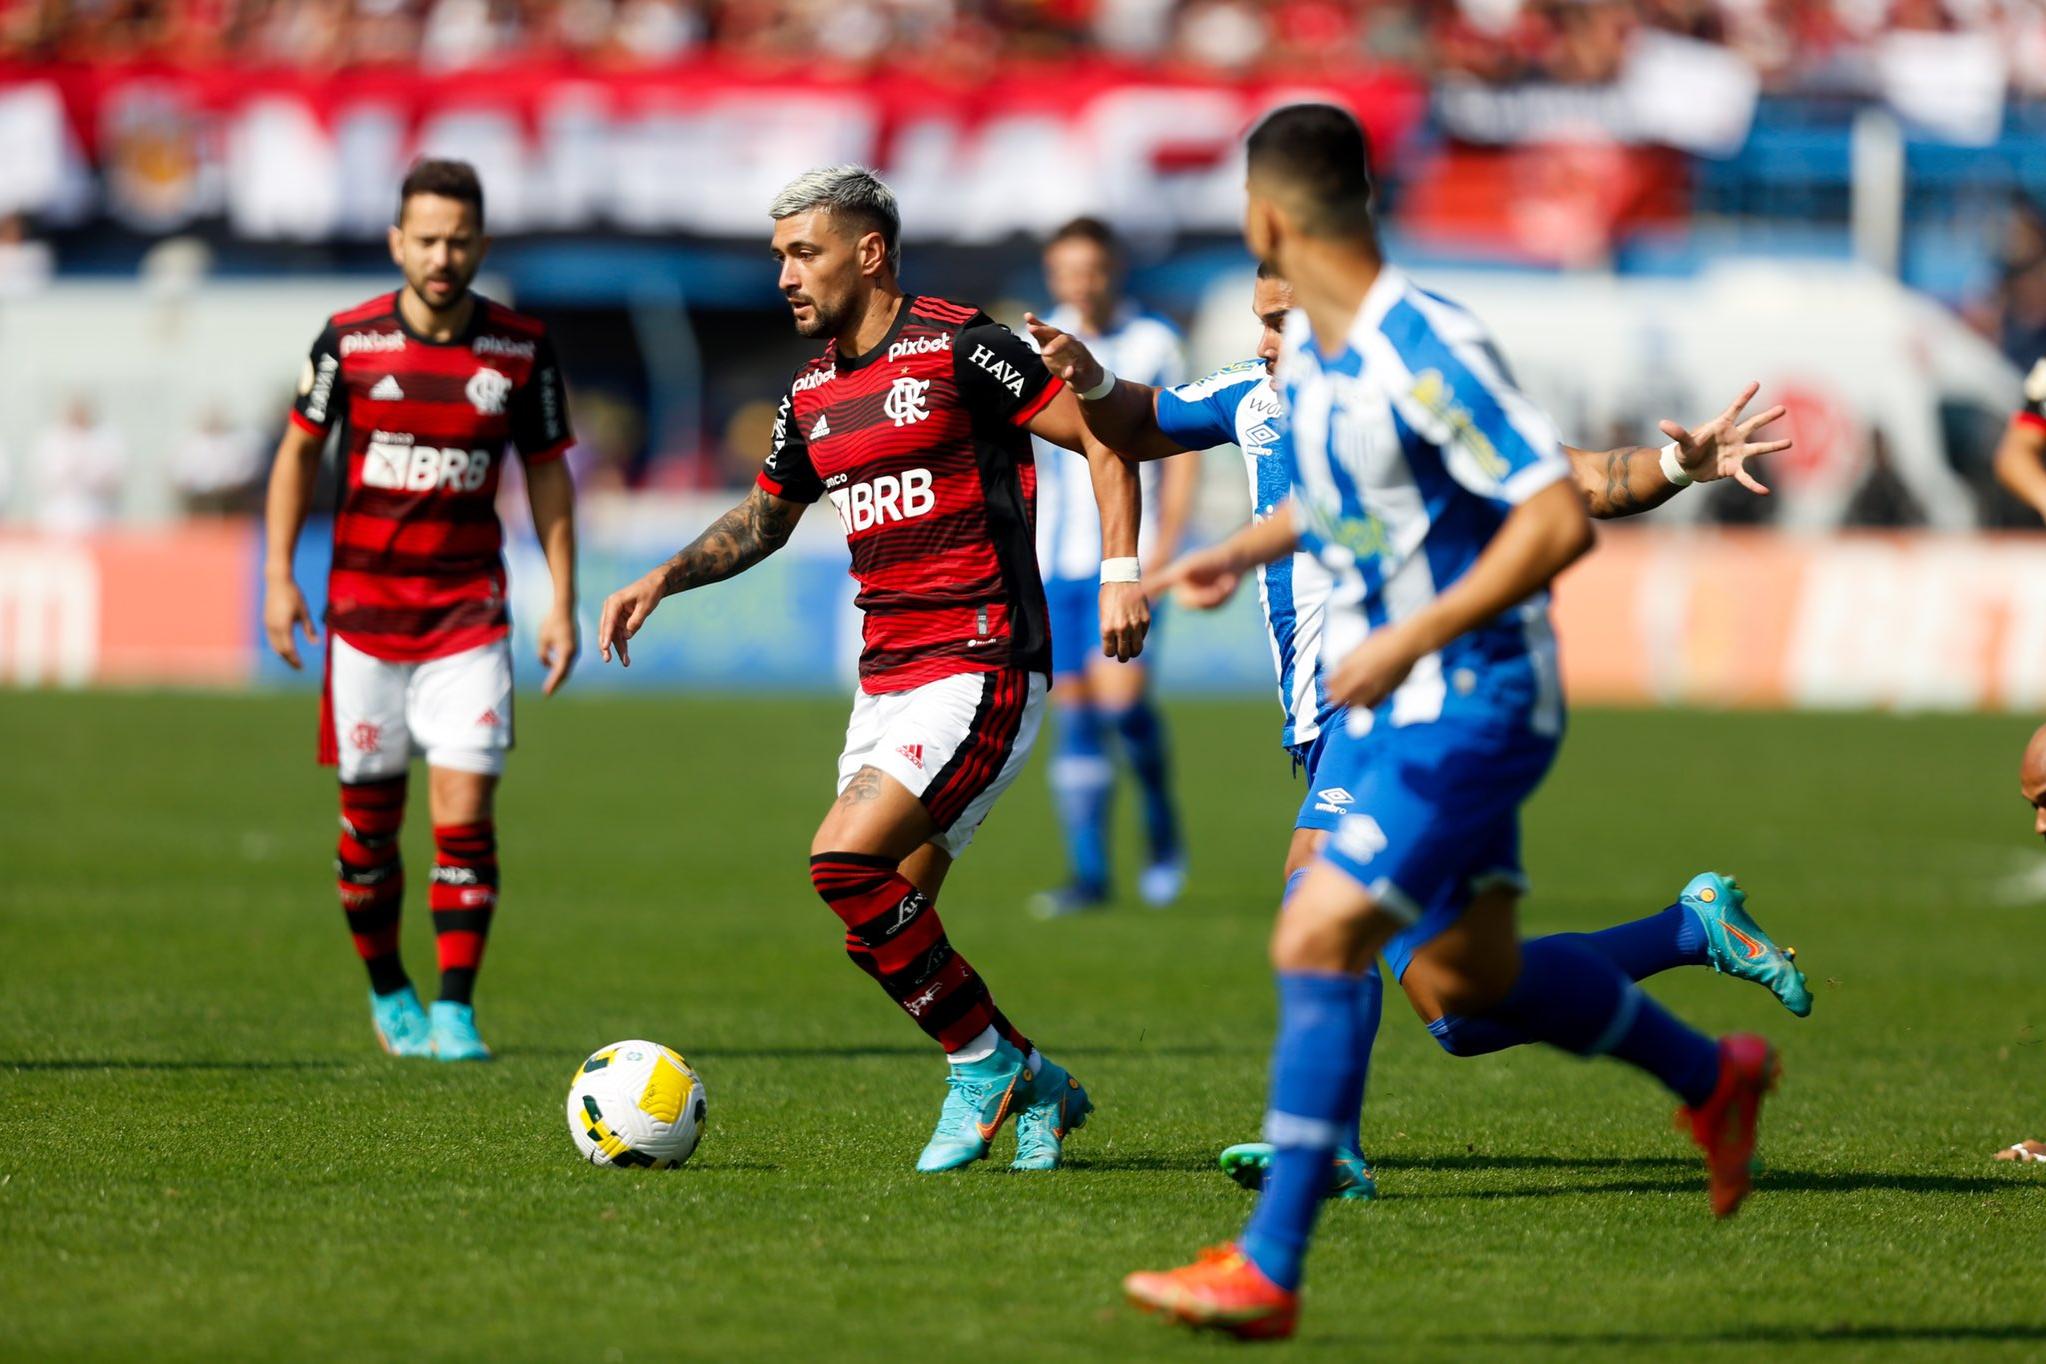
1822, 46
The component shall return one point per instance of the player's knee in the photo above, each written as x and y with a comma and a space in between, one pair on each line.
840, 877
1472, 984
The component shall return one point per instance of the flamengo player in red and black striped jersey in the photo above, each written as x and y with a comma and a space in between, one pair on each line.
915, 422
428, 387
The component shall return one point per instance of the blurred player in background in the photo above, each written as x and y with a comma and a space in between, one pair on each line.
916, 423
2021, 458
427, 386
1095, 697
1707, 925
1443, 506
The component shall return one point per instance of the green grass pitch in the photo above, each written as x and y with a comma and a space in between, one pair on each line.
203, 1155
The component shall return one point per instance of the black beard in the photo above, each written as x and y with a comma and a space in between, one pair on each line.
821, 323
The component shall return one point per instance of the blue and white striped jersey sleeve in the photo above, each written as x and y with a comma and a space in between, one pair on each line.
1456, 391
1202, 414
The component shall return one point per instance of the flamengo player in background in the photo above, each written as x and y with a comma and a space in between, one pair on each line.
428, 386
2021, 458
1443, 506
916, 423
1096, 699
1708, 925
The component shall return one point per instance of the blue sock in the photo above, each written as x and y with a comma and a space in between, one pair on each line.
1143, 743
1661, 942
1573, 998
1081, 780
1370, 1009
1464, 1035
1318, 1066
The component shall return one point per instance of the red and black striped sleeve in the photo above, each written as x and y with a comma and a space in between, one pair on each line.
539, 409
999, 374
788, 472
319, 385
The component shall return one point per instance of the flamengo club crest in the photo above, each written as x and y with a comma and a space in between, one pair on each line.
905, 401
487, 390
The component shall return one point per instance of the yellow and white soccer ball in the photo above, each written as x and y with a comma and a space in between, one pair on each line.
638, 1105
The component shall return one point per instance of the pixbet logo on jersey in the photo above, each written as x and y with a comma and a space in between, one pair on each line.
884, 498
398, 464
920, 345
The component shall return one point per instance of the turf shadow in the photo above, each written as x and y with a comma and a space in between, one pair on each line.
1769, 1181
1519, 1161
105, 1064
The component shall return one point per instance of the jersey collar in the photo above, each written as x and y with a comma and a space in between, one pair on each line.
461, 338
848, 363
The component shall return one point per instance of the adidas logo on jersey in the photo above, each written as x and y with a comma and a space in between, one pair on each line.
822, 428
387, 390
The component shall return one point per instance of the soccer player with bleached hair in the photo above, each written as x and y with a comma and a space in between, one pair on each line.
1442, 504
915, 422
427, 386
1708, 923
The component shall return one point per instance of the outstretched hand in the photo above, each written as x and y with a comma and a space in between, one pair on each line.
1722, 447
1065, 354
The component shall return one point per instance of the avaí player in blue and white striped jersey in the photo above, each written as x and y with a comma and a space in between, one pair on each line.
1239, 404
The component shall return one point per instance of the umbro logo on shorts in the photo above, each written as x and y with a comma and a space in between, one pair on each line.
387, 390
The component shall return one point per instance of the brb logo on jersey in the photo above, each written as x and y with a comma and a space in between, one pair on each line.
884, 498
399, 465
905, 402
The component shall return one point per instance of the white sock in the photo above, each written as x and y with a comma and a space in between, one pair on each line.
979, 1049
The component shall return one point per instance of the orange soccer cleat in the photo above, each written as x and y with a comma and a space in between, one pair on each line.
1221, 1291
1724, 1125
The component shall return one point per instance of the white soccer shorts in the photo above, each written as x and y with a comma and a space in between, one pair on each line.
956, 744
454, 711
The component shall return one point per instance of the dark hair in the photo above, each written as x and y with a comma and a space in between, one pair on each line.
1320, 154
447, 179
1087, 229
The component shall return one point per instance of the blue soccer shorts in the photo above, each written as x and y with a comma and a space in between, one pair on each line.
1432, 816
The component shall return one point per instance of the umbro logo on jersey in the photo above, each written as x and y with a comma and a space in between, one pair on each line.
387, 390
915, 753
1334, 800
822, 428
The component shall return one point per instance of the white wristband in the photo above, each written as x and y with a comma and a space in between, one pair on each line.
1100, 391
1121, 571
1673, 467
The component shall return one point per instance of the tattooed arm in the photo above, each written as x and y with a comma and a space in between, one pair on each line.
1620, 482
736, 541
1630, 479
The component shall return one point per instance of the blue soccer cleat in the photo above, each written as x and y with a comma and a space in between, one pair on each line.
1052, 1105
1736, 945
979, 1098
1160, 883
1349, 1174
454, 1033
401, 1024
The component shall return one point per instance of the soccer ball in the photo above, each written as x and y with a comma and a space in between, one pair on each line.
636, 1104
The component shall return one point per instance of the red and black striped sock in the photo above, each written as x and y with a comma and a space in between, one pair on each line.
892, 933
463, 897
370, 875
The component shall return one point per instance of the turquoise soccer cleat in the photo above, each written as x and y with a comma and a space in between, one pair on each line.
1736, 945
979, 1097
1349, 1174
454, 1033
401, 1024
1053, 1104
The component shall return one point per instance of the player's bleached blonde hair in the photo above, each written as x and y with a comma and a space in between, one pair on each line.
851, 189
